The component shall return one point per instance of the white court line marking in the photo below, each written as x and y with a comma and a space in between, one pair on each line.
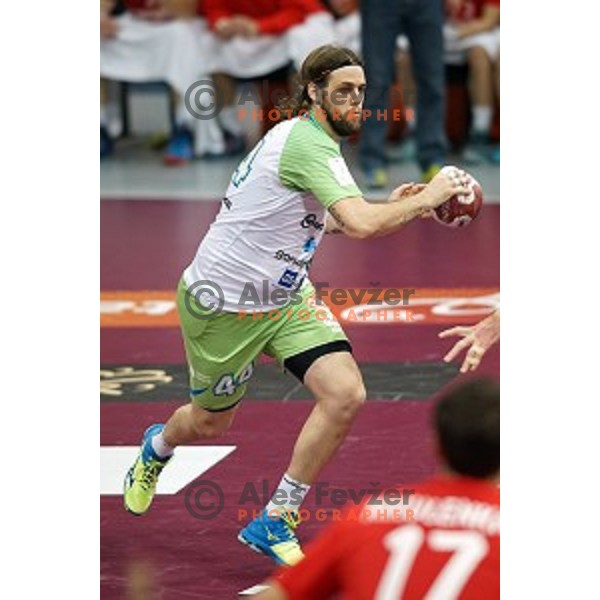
255, 589
189, 462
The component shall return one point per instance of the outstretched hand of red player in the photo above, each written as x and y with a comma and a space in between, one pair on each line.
479, 337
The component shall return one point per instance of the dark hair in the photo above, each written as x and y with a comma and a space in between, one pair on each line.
467, 421
316, 68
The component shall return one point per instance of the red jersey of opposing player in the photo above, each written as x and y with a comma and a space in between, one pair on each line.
449, 547
467, 10
273, 17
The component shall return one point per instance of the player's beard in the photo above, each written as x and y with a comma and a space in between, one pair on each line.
340, 123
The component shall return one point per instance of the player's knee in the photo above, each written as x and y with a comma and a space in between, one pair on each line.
210, 425
349, 399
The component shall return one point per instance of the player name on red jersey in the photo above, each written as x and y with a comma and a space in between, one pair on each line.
446, 511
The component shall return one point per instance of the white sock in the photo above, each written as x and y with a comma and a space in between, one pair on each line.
482, 119
183, 118
162, 449
288, 496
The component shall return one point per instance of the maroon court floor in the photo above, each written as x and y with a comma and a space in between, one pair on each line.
172, 554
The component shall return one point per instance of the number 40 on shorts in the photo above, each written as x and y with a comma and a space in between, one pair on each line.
228, 383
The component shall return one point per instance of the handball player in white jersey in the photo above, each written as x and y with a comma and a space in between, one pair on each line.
293, 187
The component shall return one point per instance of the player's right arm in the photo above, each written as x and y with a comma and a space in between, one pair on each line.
311, 162
360, 219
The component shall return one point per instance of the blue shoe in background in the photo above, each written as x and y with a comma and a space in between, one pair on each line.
495, 156
180, 149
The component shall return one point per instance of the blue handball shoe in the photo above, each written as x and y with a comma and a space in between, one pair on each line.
141, 479
274, 536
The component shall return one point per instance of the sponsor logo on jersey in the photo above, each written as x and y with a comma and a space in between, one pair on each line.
310, 245
288, 279
310, 220
288, 258
227, 203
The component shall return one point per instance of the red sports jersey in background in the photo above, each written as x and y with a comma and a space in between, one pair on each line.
473, 9
450, 550
273, 16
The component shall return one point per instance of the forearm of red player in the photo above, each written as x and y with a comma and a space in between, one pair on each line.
360, 219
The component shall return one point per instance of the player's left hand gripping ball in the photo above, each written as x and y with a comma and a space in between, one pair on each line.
461, 209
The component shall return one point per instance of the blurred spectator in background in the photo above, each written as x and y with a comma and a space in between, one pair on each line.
346, 24
405, 82
472, 36
347, 27
255, 39
149, 41
422, 23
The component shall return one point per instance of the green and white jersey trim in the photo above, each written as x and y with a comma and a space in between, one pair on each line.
273, 216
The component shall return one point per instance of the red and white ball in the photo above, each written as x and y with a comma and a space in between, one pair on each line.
461, 209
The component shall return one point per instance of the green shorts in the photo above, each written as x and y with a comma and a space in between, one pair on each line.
222, 349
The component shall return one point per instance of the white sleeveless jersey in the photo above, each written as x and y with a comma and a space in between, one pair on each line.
260, 246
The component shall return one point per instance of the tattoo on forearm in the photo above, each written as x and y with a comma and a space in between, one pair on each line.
332, 227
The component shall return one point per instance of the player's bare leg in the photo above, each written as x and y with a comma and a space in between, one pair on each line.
187, 424
191, 423
336, 383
